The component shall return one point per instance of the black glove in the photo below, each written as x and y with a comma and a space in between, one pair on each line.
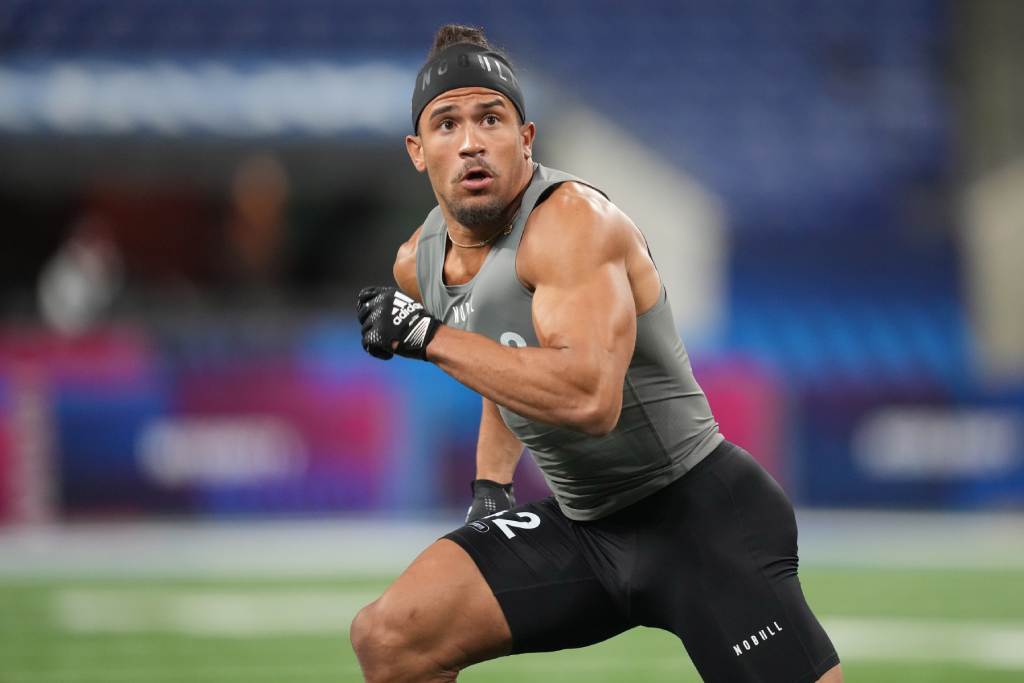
489, 497
388, 316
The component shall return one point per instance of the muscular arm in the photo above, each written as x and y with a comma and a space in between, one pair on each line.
583, 312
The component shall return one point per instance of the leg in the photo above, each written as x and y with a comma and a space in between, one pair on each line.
514, 582
438, 617
719, 569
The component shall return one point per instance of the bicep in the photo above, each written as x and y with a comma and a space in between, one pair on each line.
575, 258
588, 308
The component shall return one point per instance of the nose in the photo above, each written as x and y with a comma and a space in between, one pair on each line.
472, 144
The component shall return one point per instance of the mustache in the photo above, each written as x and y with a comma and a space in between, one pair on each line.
474, 166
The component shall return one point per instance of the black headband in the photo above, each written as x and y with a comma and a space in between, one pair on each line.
464, 65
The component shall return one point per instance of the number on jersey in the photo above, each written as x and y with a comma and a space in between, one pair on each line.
530, 521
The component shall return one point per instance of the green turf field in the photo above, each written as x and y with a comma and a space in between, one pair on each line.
889, 624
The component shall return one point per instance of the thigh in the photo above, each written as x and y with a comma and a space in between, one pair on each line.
722, 575
441, 605
534, 566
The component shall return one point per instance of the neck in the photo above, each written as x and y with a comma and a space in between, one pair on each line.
478, 232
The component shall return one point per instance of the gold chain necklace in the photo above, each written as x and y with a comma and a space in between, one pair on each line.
484, 243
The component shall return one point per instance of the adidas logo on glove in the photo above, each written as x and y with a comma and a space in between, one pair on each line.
402, 306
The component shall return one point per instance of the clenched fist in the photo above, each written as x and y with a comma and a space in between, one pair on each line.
394, 323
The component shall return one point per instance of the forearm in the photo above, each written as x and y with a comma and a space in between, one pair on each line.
550, 385
498, 450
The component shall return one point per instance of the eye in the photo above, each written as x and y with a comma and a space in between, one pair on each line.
447, 124
491, 119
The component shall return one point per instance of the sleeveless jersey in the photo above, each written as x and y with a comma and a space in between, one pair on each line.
665, 427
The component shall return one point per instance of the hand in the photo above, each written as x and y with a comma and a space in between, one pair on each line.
489, 497
394, 323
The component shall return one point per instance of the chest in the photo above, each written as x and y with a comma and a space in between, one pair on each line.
492, 303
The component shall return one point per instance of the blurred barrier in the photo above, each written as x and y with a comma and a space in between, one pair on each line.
910, 449
122, 422
307, 425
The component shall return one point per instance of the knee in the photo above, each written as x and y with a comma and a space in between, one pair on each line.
384, 649
374, 642
359, 633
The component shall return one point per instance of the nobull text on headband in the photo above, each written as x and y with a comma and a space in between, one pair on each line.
464, 65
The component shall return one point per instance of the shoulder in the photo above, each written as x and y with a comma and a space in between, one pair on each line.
575, 212
405, 266
576, 223
573, 196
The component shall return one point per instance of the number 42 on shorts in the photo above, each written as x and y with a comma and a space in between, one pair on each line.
529, 521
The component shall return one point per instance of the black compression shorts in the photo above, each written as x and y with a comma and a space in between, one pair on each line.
711, 557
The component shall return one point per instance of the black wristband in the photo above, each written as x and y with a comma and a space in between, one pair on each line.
489, 484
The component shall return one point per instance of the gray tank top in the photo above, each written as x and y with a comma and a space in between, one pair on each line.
666, 426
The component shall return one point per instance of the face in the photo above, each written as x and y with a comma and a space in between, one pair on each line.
475, 152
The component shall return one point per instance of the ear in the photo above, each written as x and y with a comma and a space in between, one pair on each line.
527, 132
414, 146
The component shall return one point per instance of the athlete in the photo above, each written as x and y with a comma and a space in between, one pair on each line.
529, 286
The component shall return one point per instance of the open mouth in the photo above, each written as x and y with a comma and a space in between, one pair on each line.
476, 179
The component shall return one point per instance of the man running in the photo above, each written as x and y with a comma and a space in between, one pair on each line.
529, 286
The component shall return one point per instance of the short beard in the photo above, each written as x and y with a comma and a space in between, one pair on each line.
477, 215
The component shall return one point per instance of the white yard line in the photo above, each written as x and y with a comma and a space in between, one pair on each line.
208, 613
277, 549
912, 540
346, 547
989, 644
254, 672
245, 614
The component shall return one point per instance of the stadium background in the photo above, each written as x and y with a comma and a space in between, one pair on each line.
202, 476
